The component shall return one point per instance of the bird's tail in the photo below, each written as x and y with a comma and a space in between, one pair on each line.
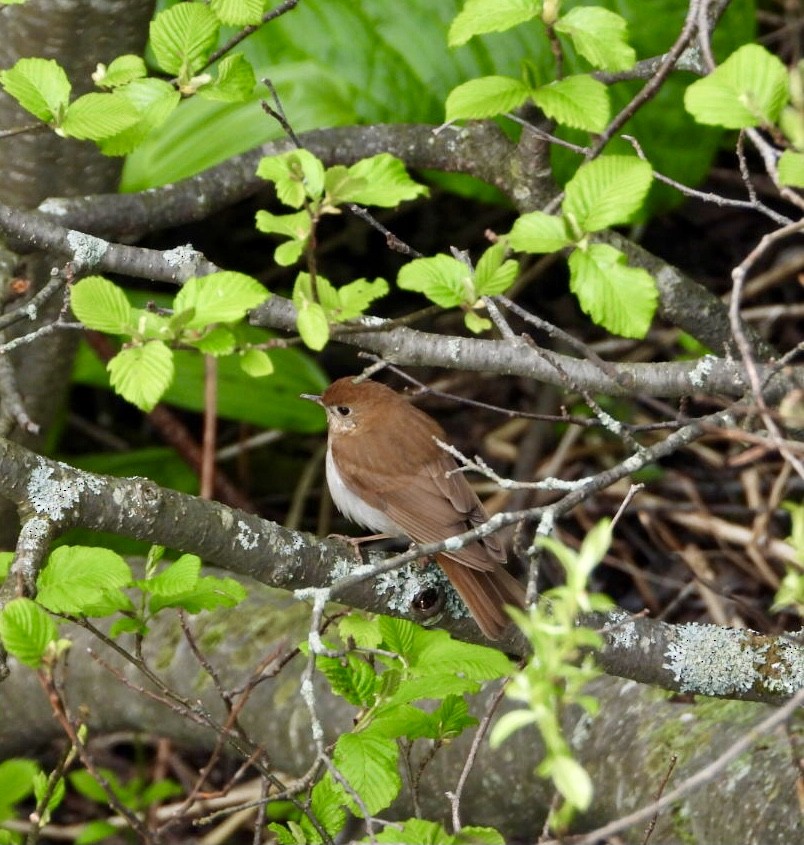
485, 594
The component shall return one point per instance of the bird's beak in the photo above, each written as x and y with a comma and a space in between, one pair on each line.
313, 397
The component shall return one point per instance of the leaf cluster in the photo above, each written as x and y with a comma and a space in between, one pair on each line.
204, 317
390, 667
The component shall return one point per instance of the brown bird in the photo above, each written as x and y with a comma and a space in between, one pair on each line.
386, 472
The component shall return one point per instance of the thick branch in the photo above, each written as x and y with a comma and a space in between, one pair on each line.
750, 667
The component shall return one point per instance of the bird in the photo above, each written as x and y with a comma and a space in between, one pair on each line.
386, 472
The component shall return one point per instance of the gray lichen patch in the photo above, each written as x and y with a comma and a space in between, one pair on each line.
87, 249
712, 660
54, 498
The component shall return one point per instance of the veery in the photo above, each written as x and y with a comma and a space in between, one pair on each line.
386, 472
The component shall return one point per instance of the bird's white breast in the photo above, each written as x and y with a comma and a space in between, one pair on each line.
352, 506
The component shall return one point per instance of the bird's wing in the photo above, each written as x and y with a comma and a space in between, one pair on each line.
429, 508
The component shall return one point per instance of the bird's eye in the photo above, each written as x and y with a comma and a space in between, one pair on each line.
343, 410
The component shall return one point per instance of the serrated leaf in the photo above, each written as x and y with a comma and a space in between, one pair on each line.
296, 174
577, 101
403, 720
182, 38
101, 305
234, 81
538, 232
486, 97
479, 16
296, 225
311, 321
26, 631
365, 632
148, 325
141, 374
40, 86
177, 578
121, 71
217, 342
208, 593
127, 626
237, 12
326, 803
607, 191
452, 717
493, 275
369, 763
154, 100
748, 89
380, 180
84, 580
16, 781
96, 117
442, 279
352, 679
442, 655
256, 363
600, 36
96, 831
223, 297
355, 297
791, 169
622, 299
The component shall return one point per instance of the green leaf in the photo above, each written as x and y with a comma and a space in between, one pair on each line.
223, 297
479, 16
207, 594
577, 101
509, 723
365, 632
311, 321
475, 323
369, 764
101, 305
177, 578
256, 363
441, 655
96, 117
297, 174
237, 12
486, 97
452, 717
493, 275
6, 559
748, 89
572, 781
182, 38
121, 71
40, 86
125, 625
326, 803
16, 781
352, 678
380, 180
600, 36
607, 191
234, 83
442, 279
355, 297
791, 169
141, 374
538, 232
96, 831
297, 226
26, 631
84, 580
217, 342
154, 100
622, 299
